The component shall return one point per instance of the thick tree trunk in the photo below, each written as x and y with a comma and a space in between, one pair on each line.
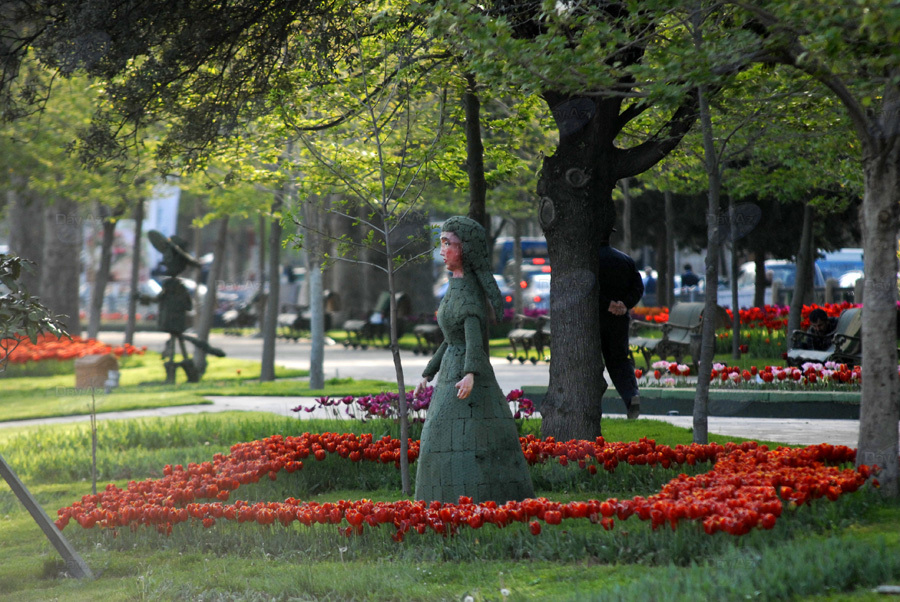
135, 272
879, 406
60, 268
575, 187
803, 277
101, 277
205, 320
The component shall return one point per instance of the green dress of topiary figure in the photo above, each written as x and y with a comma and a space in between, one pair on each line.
470, 446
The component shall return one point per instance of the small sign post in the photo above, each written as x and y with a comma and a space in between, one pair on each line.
75, 564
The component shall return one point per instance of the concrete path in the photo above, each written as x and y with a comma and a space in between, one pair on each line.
378, 364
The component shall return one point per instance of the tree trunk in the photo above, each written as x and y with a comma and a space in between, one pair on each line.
261, 268
626, 216
669, 284
803, 275
761, 282
735, 272
405, 481
879, 407
135, 272
205, 320
314, 253
101, 277
475, 155
662, 263
60, 268
575, 187
708, 330
26, 236
270, 316
518, 297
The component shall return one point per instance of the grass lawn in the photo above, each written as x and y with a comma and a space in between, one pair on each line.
142, 387
825, 551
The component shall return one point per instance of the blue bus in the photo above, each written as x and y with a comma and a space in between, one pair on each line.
532, 247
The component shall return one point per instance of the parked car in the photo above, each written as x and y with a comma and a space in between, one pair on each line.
506, 292
835, 264
779, 270
530, 267
537, 295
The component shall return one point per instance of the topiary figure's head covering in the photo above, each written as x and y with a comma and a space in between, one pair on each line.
476, 257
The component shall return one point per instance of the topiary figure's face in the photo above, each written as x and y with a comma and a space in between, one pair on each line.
451, 251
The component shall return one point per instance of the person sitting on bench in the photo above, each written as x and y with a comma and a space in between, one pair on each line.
820, 331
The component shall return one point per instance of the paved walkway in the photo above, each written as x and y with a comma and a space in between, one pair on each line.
377, 364
793, 431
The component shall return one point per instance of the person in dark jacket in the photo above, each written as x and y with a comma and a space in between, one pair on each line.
620, 289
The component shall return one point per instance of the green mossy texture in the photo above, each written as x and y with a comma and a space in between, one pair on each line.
469, 447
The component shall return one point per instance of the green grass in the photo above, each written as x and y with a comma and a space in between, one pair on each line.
142, 387
821, 551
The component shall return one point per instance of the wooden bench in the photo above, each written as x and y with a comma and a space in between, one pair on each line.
846, 343
536, 338
428, 338
361, 334
680, 335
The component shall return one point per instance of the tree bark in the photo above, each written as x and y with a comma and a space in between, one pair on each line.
101, 277
803, 277
760, 283
135, 272
60, 266
708, 330
261, 268
313, 245
518, 297
26, 234
669, 284
575, 187
269, 321
205, 319
475, 155
626, 217
735, 272
879, 406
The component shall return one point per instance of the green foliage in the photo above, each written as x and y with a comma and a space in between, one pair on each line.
22, 317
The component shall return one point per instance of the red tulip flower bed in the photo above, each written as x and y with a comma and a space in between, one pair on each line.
49, 347
747, 488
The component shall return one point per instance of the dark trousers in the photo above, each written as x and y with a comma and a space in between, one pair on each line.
614, 346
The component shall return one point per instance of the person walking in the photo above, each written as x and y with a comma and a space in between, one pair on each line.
621, 288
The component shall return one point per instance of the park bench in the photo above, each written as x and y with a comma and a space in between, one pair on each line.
680, 335
365, 333
846, 343
526, 339
294, 320
428, 338
362, 334
245, 315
